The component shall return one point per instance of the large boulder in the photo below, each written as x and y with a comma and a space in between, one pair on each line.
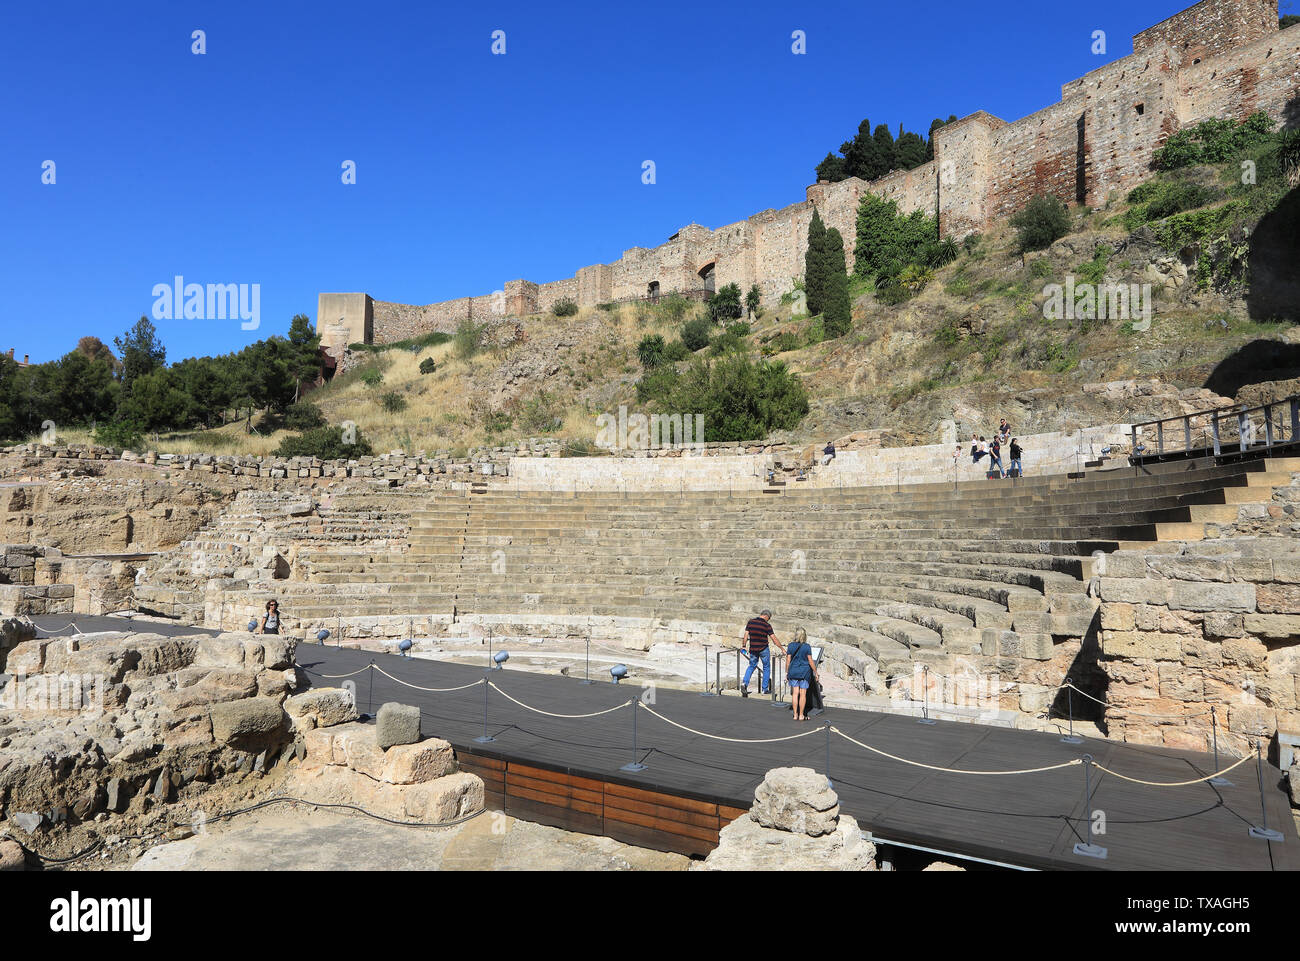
250, 724
796, 799
397, 724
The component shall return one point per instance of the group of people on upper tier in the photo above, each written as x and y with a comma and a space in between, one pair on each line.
980, 448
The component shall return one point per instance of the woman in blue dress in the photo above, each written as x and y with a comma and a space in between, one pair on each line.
801, 671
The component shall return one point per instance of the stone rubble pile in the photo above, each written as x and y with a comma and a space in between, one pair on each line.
795, 824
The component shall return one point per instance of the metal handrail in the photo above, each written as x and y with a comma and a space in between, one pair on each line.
1238, 421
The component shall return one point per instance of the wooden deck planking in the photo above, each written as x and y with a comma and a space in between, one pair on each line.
1032, 820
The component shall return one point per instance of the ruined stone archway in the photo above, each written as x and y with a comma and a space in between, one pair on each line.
708, 275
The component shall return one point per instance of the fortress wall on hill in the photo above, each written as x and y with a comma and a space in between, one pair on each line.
1218, 58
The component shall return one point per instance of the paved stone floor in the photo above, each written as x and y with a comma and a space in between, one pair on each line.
302, 838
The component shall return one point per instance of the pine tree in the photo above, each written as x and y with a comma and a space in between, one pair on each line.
910, 150
814, 264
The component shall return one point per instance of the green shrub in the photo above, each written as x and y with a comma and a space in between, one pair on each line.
888, 241
327, 443
122, 434
1212, 141
428, 365
468, 338
740, 328
393, 402
1040, 268
372, 376
674, 307
565, 307
1043, 221
695, 334
786, 340
303, 416
739, 399
971, 244
1156, 200
539, 414
676, 351
724, 342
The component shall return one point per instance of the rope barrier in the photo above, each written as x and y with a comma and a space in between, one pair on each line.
953, 770
55, 630
733, 740
535, 710
431, 690
1197, 780
336, 677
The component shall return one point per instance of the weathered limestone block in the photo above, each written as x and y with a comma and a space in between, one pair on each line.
1278, 598
796, 799
1189, 596
397, 724
1136, 644
253, 723
224, 650
443, 799
321, 707
355, 747
1275, 627
1218, 624
416, 763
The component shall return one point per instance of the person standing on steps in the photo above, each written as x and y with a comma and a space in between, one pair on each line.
758, 632
271, 620
995, 457
1016, 452
802, 672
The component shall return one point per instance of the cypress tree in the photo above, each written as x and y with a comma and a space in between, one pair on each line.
837, 312
814, 264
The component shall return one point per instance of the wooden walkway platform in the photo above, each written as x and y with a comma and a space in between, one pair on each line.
566, 771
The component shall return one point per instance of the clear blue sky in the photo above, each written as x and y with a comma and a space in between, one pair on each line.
472, 169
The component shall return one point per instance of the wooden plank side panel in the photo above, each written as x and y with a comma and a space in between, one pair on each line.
554, 787
664, 800
663, 825
657, 840
554, 800
565, 818
691, 818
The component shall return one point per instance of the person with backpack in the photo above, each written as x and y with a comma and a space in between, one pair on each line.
271, 622
1016, 453
800, 673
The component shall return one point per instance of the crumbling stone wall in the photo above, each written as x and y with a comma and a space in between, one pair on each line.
1213, 626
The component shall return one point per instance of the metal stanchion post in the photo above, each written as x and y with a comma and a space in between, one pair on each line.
1263, 832
829, 782
706, 692
1214, 735
489, 647
1070, 738
370, 694
1086, 848
925, 717
486, 738
634, 766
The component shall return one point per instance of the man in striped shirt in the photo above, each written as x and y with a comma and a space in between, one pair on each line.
755, 637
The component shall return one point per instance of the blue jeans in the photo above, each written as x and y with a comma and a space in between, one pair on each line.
765, 676
1015, 466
